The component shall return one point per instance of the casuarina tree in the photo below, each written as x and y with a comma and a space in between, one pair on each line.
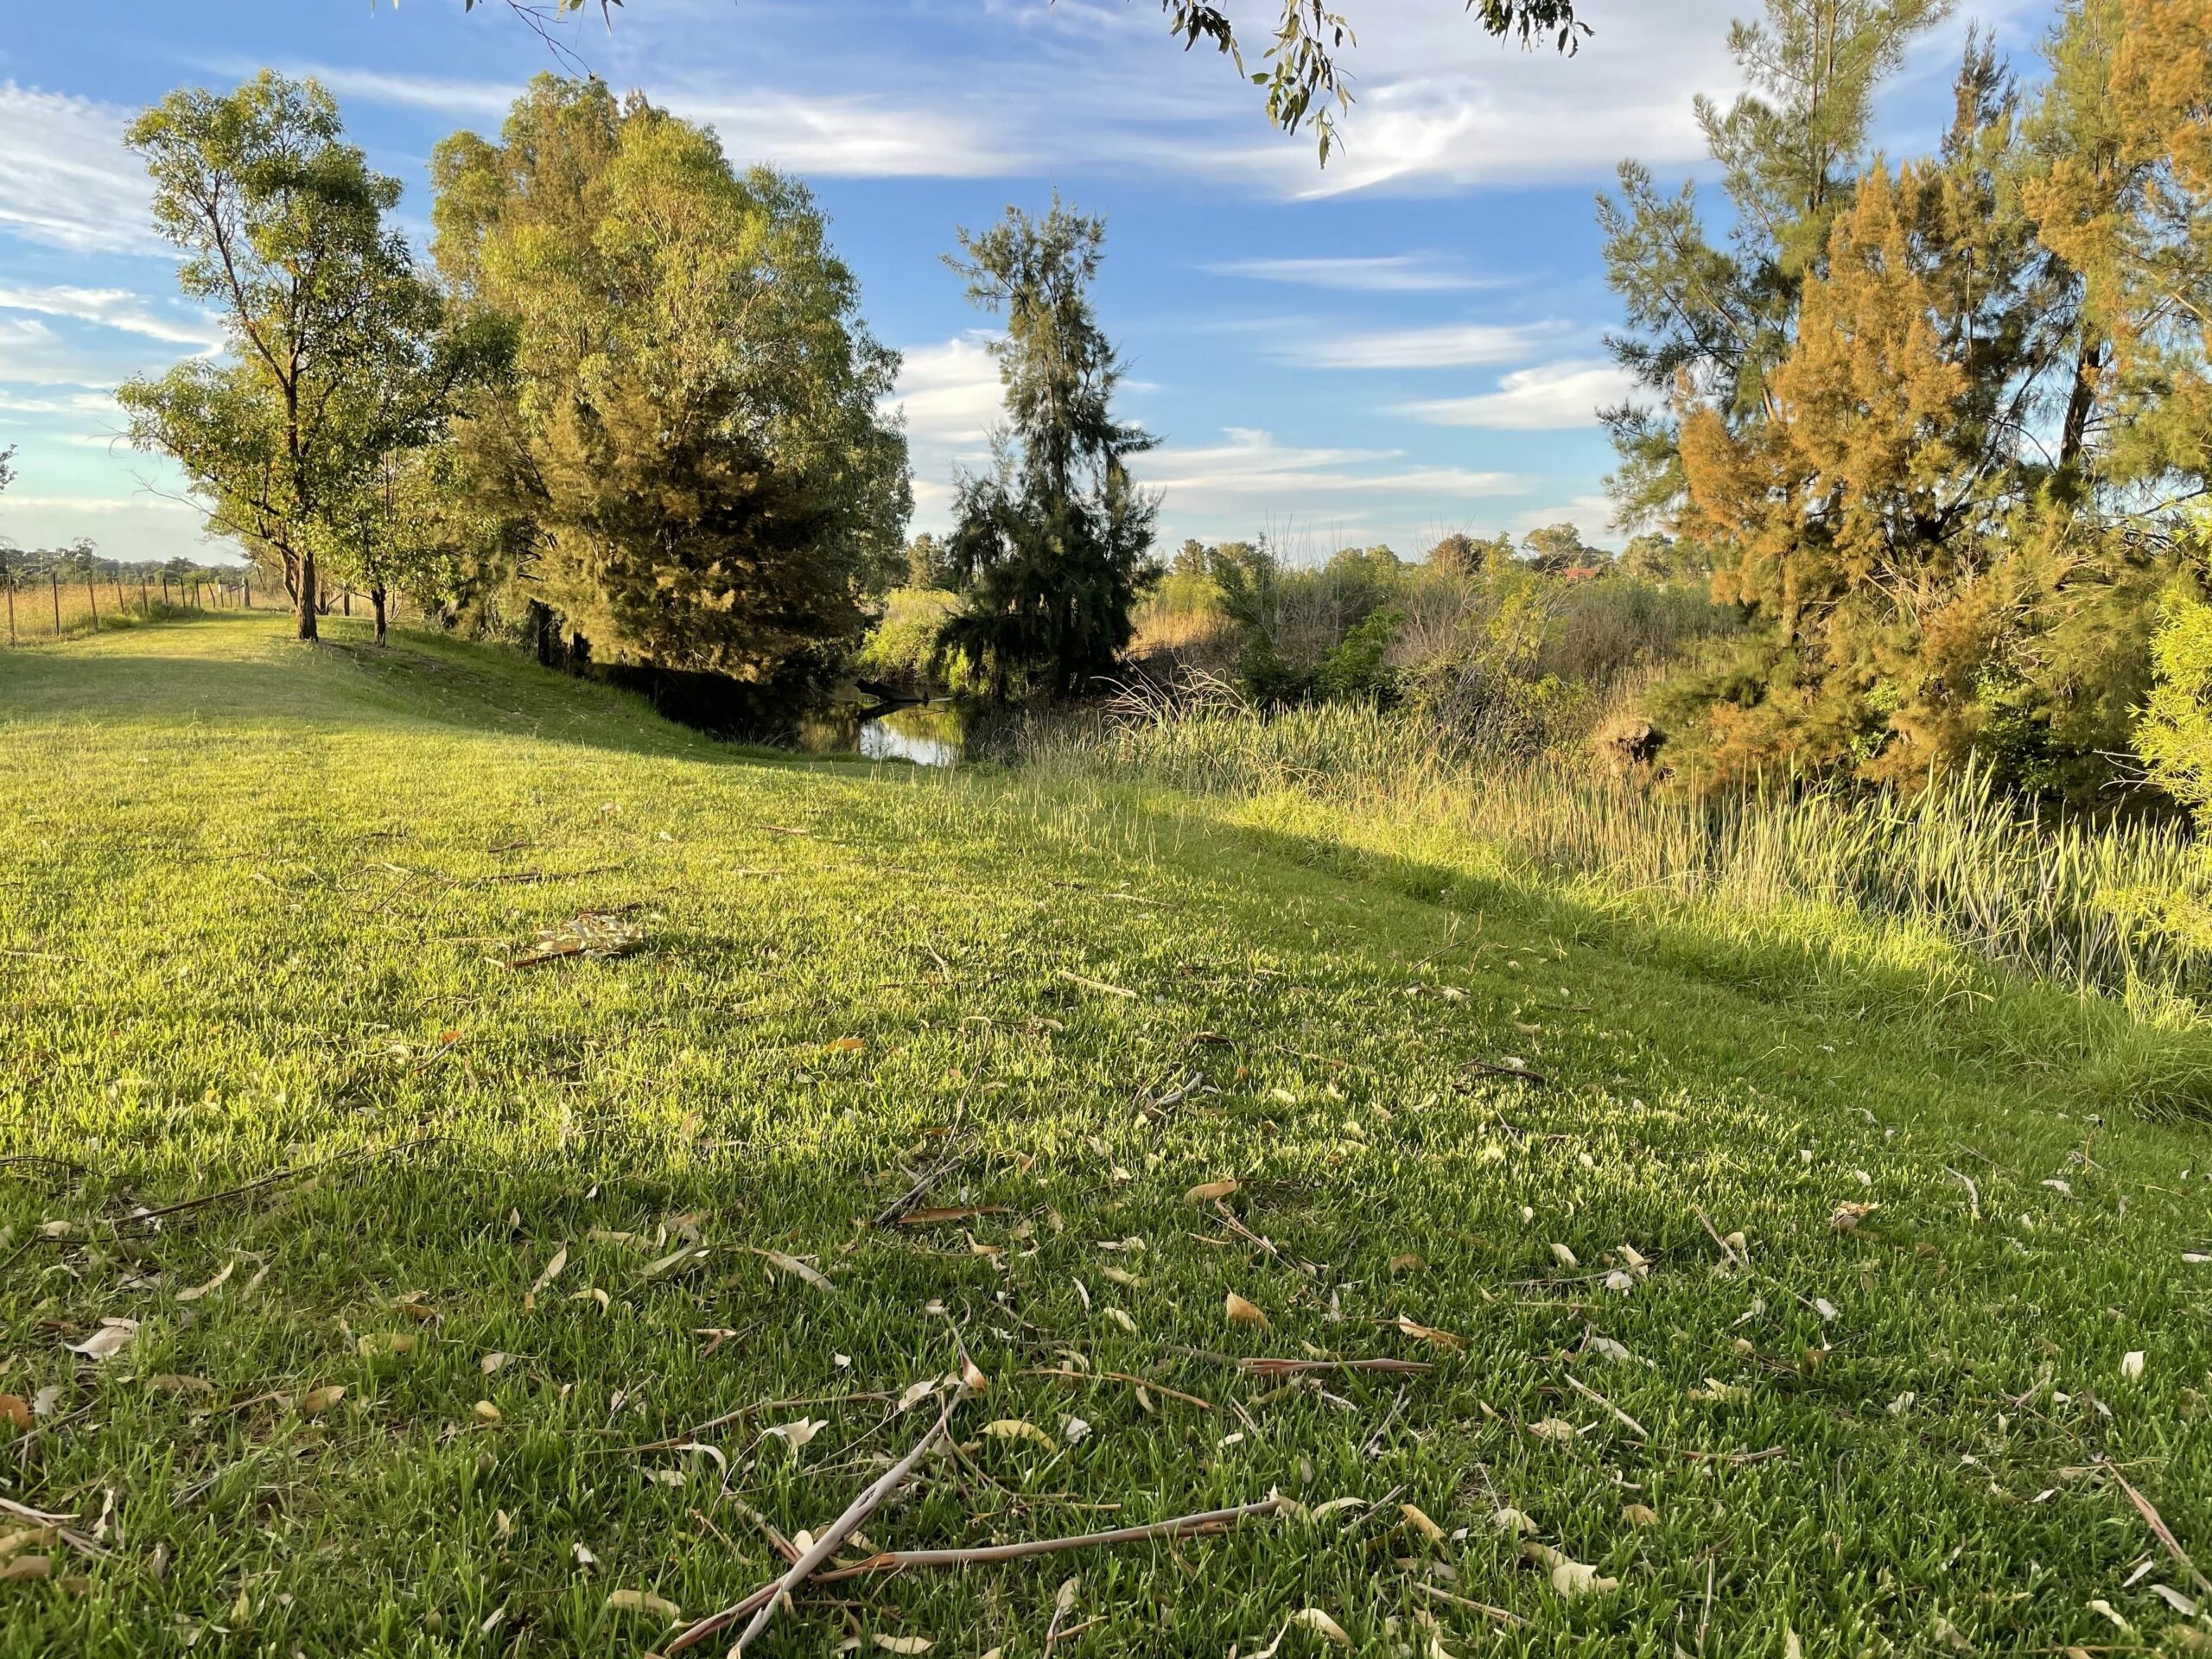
1053, 544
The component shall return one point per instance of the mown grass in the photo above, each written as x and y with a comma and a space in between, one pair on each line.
259, 913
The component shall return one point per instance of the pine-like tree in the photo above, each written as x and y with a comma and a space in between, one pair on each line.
1053, 544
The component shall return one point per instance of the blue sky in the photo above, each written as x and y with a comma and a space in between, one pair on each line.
1408, 343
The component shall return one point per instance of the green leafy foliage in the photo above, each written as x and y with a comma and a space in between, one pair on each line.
689, 457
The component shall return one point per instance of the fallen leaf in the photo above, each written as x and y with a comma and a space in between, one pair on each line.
104, 1344
1210, 1190
1122, 1319
26, 1566
1565, 1256
797, 1435
486, 1411
316, 1401
1419, 1521
1429, 1333
553, 1270
642, 1601
2131, 1364
904, 1643
491, 1362
1019, 1428
796, 1267
1569, 1577
24, 1538
1554, 1428
197, 1291
1510, 1519
1314, 1619
1638, 1515
16, 1410
1075, 1430
847, 1044
1243, 1313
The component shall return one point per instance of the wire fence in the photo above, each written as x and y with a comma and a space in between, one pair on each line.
50, 607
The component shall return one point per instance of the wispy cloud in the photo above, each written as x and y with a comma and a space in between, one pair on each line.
1251, 465
1445, 346
950, 392
66, 179
1393, 273
115, 308
1551, 396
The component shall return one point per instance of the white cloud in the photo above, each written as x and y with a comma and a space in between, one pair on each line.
66, 179
115, 308
1442, 347
1550, 396
1394, 273
1590, 514
1251, 464
951, 393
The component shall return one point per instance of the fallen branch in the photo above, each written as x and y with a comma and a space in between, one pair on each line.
68, 1534
1489, 1070
743, 1412
762, 1603
913, 1195
1294, 1367
899, 1560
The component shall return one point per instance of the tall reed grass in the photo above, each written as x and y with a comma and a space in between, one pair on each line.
2077, 904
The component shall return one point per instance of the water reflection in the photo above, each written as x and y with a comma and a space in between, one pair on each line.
928, 734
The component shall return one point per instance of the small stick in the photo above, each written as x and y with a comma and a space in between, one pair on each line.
729, 1417
913, 1195
1509, 1619
898, 1561
1620, 1416
1491, 1070
1072, 1376
1098, 985
858, 1511
1294, 1367
2153, 1519
142, 1216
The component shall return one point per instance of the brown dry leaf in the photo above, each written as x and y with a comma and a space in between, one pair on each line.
26, 1566
553, 1270
486, 1411
1122, 1319
1419, 1521
1848, 1215
1314, 1619
1119, 1276
643, 1601
1406, 1264
316, 1401
847, 1044
492, 1361
904, 1643
1429, 1333
16, 1410
1018, 1428
196, 1292
104, 1344
1554, 1428
1514, 1521
1569, 1577
1243, 1313
972, 1375
1638, 1515
793, 1266
1210, 1190
384, 1342
16, 1543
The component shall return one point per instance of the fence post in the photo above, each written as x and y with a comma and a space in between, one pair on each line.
249, 592
11, 607
56, 575
145, 600
93, 599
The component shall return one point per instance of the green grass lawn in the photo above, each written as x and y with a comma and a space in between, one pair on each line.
260, 912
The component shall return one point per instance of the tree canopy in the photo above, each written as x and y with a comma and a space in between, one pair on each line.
689, 456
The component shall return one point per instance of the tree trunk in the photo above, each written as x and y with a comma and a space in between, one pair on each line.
307, 597
376, 604
2081, 402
